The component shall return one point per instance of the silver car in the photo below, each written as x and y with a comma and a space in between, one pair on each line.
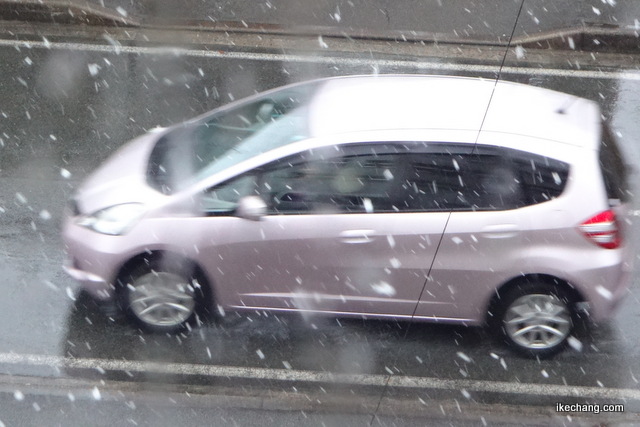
426, 198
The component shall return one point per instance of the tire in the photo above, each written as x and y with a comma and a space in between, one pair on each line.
162, 294
536, 319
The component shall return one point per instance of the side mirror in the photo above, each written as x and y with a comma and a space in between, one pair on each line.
251, 207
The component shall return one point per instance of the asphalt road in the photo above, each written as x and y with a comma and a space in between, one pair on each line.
66, 107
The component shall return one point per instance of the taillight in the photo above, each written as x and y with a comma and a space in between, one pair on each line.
602, 229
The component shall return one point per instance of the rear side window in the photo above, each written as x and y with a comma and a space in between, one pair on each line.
542, 178
614, 170
491, 178
465, 181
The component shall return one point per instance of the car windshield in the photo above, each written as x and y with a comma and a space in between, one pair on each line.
188, 154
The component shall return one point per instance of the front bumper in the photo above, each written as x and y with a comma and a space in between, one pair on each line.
96, 286
94, 259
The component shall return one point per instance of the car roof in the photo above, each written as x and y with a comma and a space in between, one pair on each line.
389, 102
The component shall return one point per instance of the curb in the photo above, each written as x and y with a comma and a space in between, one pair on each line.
434, 410
63, 12
587, 36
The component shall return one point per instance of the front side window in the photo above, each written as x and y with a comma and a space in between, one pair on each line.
336, 180
223, 199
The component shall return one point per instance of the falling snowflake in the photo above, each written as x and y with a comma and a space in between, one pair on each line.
503, 363
392, 241
21, 198
383, 288
96, 393
337, 15
464, 357
93, 69
575, 344
368, 206
604, 292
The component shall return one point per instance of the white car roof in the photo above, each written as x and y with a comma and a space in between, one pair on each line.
388, 102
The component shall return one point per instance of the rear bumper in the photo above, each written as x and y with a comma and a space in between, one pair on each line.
605, 296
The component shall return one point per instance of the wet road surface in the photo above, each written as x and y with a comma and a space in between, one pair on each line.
65, 108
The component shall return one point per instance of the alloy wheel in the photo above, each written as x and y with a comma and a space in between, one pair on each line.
537, 321
162, 299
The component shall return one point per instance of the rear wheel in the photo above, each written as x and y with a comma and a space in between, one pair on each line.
536, 319
162, 295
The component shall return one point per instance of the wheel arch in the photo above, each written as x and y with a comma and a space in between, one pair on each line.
571, 292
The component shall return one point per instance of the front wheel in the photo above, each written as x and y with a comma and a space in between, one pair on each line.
536, 319
162, 295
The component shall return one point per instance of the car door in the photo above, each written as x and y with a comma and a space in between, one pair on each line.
345, 232
483, 237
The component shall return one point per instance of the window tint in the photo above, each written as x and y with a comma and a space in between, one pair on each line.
411, 177
490, 178
337, 181
542, 178
614, 170
448, 181
223, 199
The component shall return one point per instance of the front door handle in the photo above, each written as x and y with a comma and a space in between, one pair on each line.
356, 236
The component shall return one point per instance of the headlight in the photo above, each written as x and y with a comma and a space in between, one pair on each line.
114, 220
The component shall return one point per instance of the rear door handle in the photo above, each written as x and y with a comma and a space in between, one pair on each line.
356, 236
500, 231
